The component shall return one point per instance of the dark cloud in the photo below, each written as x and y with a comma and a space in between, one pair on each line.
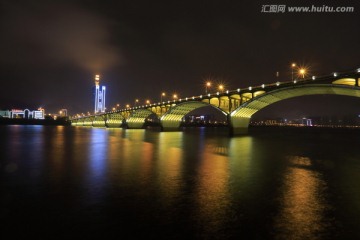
42, 33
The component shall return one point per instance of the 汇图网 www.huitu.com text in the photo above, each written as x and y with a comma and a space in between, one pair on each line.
310, 9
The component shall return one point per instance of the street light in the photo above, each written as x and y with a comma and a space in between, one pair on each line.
161, 97
302, 72
221, 87
175, 96
208, 85
127, 106
147, 101
136, 101
293, 65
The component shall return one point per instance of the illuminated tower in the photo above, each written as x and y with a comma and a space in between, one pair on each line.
99, 95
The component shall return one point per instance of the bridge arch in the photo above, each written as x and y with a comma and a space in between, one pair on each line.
87, 121
99, 121
114, 120
171, 120
240, 117
137, 118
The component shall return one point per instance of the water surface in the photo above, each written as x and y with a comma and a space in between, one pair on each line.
68, 182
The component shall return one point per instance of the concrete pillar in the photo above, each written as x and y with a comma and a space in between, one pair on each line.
170, 126
238, 125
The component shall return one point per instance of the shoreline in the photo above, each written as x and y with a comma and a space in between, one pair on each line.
21, 121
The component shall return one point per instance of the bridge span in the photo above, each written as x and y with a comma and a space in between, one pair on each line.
237, 105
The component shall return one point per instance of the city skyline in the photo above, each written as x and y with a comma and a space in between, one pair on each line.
143, 49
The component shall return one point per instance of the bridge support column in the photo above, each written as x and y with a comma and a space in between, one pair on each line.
238, 131
170, 129
135, 125
170, 126
239, 125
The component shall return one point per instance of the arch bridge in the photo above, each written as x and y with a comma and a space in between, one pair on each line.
237, 105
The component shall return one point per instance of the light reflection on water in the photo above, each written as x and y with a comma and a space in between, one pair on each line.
212, 196
303, 204
182, 184
168, 167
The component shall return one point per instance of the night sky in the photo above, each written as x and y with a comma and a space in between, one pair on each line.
51, 50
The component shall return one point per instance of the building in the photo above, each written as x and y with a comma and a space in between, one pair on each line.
5, 113
99, 96
26, 113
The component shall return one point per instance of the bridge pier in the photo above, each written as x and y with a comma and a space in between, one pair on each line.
113, 125
238, 125
238, 131
99, 125
170, 129
170, 126
135, 125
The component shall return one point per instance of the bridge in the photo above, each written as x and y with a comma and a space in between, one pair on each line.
237, 105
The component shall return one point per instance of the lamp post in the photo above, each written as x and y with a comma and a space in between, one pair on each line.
136, 101
207, 85
175, 96
302, 72
221, 87
293, 65
162, 95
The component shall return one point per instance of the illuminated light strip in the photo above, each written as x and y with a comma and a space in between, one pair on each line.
278, 95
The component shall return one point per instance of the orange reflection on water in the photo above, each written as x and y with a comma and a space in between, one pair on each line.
303, 207
240, 155
134, 158
169, 165
130, 155
212, 190
146, 164
57, 145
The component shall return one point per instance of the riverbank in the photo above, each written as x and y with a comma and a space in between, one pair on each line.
21, 121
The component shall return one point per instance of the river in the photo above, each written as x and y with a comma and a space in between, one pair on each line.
76, 182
